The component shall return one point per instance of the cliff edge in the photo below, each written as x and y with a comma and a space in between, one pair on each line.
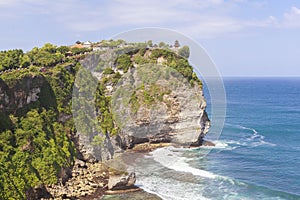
151, 96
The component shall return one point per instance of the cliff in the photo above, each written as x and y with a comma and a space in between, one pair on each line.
156, 99
58, 122
36, 148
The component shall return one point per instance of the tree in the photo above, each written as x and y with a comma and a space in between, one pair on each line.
47, 56
63, 49
49, 48
25, 61
10, 59
124, 62
184, 52
150, 43
162, 44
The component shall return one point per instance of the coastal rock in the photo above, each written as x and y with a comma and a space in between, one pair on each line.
89, 180
38, 193
121, 182
177, 115
25, 91
137, 195
173, 113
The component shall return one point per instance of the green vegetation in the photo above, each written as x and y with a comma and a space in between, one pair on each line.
162, 45
124, 62
150, 43
139, 57
61, 81
180, 64
115, 78
105, 117
34, 142
147, 96
33, 152
108, 71
112, 43
47, 56
79, 50
184, 52
35, 139
13, 59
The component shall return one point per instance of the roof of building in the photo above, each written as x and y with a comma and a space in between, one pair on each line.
77, 46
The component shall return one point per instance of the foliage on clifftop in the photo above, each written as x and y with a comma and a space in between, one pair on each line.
47, 56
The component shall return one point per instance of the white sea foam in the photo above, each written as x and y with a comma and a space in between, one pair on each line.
170, 189
255, 139
259, 143
243, 127
164, 185
219, 144
234, 142
156, 179
173, 160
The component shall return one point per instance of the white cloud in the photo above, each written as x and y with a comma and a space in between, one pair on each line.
216, 26
292, 18
207, 18
4, 3
203, 19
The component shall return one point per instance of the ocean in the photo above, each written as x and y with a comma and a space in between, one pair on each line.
256, 157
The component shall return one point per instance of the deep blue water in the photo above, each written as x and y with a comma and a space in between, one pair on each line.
263, 123
257, 155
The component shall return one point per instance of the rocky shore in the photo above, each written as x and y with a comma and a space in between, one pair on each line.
88, 181
97, 181
138, 195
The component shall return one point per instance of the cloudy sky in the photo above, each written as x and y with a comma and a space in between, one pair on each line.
243, 37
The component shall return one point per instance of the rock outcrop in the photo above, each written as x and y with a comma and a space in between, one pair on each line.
87, 180
121, 182
178, 117
21, 93
151, 103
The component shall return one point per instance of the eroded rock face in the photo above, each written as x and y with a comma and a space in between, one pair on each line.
175, 112
22, 93
87, 179
92, 153
121, 182
151, 103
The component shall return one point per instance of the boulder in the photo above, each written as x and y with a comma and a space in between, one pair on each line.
121, 182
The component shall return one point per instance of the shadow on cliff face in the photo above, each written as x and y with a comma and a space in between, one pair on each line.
47, 97
23, 95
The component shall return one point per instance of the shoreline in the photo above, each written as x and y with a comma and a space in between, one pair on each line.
136, 195
90, 180
141, 193
149, 147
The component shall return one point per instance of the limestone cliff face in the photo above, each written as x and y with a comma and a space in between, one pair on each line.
165, 111
151, 103
23, 92
26, 92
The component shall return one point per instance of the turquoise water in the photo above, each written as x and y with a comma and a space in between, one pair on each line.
256, 157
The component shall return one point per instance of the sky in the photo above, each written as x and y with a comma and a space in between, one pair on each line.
242, 37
